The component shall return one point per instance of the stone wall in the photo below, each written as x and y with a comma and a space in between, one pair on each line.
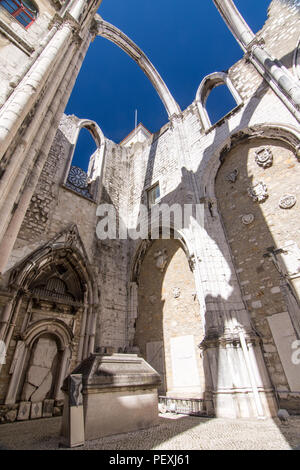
234, 278
18, 45
168, 312
255, 229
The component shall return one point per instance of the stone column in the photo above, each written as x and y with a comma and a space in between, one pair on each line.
260, 58
66, 354
27, 93
16, 370
5, 317
82, 332
132, 313
13, 320
21, 160
57, 108
87, 331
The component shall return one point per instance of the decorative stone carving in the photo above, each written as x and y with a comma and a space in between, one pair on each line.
71, 237
48, 406
232, 176
264, 157
176, 292
161, 257
152, 299
140, 257
75, 396
36, 410
287, 201
258, 192
24, 411
247, 219
78, 181
192, 261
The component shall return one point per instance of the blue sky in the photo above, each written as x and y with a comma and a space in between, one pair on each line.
184, 40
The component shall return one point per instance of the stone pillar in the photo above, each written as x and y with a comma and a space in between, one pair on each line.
82, 332
13, 320
72, 431
66, 354
132, 313
260, 58
22, 159
87, 331
5, 317
27, 93
56, 109
16, 370
17, 107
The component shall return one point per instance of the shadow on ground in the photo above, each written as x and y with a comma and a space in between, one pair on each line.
174, 432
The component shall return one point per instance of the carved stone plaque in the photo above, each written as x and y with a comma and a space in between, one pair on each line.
258, 192
184, 364
287, 201
264, 157
161, 258
247, 219
232, 176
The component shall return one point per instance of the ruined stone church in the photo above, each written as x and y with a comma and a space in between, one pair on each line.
214, 308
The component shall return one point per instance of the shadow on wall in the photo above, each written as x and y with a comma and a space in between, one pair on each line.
249, 330
168, 319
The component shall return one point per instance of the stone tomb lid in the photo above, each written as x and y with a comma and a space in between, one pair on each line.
116, 370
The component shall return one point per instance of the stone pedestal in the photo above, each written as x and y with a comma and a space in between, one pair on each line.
119, 394
72, 432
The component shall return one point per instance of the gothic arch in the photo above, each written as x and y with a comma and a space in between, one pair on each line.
66, 244
144, 245
288, 134
96, 162
56, 327
53, 329
64, 257
206, 86
164, 310
116, 36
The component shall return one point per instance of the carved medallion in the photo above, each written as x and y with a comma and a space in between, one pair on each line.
152, 299
232, 176
161, 257
258, 192
247, 219
176, 292
264, 157
287, 201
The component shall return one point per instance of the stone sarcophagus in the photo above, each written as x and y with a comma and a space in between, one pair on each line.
119, 394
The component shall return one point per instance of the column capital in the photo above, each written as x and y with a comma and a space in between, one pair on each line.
256, 42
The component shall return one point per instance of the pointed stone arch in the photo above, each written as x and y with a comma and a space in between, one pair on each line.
286, 133
96, 161
163, 307
116, 36
206, 86
144, 245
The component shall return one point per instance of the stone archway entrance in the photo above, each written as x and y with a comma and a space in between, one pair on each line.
168, 327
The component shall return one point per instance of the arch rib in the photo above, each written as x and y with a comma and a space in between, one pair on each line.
113, 34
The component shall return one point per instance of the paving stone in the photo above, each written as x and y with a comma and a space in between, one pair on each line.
174, 432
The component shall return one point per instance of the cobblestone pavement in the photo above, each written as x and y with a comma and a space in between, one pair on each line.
174, 432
